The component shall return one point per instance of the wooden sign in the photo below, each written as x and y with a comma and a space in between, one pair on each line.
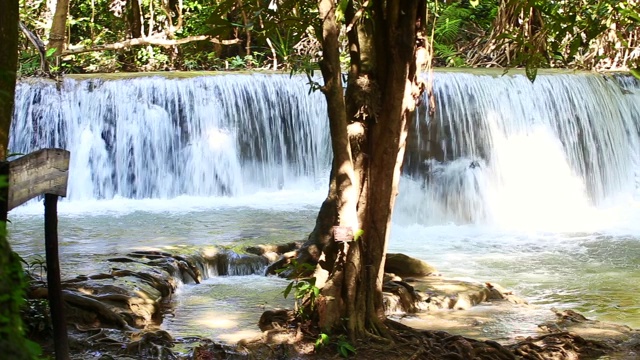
342, 233
41, 172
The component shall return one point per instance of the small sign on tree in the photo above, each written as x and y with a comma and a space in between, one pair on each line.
342, 233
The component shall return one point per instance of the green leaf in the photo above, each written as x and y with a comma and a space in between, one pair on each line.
532, 71
288, 290
628, 13
349, 347
322, 340
306, 266
358, 234
343, 352
635, 72
50, 52
474, 3
303, 286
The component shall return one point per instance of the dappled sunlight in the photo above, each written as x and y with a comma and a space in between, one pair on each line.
216, 320
497, 321
234, 337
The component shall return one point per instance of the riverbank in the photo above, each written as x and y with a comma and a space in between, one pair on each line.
119, 314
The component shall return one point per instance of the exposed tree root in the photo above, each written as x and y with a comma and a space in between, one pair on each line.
95, 306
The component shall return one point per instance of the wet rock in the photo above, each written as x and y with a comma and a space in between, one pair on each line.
401, 297
274, 319
278, 249
391, 277
403, 265
430, 293
246, 264
282, 262
497, 292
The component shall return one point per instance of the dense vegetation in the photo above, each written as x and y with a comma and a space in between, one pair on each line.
147, 35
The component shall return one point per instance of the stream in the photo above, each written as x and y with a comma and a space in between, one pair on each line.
530, 186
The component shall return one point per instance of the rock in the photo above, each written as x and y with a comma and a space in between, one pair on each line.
278, 249
497, 292
272, 319
390, 277
403, 265
407, 297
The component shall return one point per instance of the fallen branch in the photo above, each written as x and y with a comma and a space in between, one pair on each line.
78, 49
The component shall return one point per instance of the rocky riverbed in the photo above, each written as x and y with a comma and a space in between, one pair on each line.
117, 314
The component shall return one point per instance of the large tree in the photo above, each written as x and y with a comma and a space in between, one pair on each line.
13, 345
368, 122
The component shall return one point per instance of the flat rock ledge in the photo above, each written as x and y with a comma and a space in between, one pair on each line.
118, 311
115, 314
412, 285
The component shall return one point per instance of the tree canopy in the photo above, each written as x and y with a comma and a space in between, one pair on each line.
143, 35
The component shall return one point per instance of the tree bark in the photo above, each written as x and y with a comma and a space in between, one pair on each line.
13, 345
135, 19
368, 123
57, 35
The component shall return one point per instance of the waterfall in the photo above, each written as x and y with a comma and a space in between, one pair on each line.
503, 150
152, 137
499, 150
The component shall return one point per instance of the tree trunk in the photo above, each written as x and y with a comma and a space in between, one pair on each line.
368, 124
57, 35
134, 17
13, 345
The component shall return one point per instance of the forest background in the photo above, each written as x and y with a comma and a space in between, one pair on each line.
166, 35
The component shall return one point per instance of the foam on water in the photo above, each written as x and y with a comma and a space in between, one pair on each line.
284, 200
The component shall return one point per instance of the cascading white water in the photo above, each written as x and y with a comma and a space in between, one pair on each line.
503, 151
161, 138
499, 151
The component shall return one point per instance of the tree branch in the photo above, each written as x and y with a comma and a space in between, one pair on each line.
77, 49
39, 45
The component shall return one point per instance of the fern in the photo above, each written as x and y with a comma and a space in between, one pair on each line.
447, 30
448, 24
444, 51
447, 27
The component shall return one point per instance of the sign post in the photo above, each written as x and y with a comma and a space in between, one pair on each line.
44, 172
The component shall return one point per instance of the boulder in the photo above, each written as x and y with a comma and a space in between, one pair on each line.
403, 265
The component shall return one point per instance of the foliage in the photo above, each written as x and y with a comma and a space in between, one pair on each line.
281, 34
305, 291
342, 344
36, 267
14, 304
455, 25
568, 33
263, 34
36, 317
